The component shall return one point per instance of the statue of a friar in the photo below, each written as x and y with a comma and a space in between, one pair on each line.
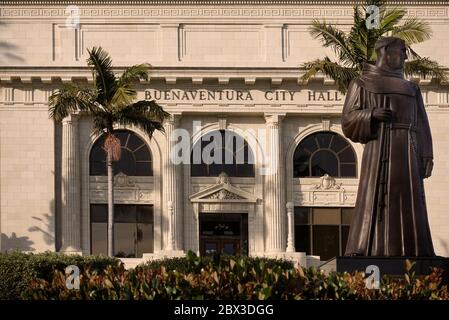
386, 113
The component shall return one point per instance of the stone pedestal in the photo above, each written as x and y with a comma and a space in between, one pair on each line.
393, 266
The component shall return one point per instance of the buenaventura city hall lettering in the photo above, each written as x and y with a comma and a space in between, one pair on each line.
242, 95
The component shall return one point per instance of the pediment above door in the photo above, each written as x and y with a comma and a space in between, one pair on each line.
223, 191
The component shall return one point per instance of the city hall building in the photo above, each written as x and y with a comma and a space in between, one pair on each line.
226, 71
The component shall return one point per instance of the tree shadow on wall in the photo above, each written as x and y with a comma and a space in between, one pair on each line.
16, 243
7, 49
45, 224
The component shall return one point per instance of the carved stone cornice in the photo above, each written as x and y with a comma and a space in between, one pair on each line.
49, 75
212, 2
276, 11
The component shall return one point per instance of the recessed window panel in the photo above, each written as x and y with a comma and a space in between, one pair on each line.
302, 215
144, 238
326, 241
142, 154
135, 157
302, 155
324, 153
99, 213
326, 216
302, 239
344, 238
124, 240
324, 162
133, 229
347, 155
123, 136
347, 170
322, 231
222, 151
99, 237
301, 169
309, 143
338, 143
143, 168
324, 139
134, 142
346, 215
126, 164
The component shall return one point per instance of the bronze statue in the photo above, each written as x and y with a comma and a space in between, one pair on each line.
386, 113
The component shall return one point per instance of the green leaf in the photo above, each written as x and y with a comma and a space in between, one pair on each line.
100, 64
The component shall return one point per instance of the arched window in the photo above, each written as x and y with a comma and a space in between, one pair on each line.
324, 153
222, 151
135, 157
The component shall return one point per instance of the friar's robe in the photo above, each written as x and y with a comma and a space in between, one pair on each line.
390, 217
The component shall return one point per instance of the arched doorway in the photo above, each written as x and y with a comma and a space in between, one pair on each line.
225, 154
322, 230
133, 220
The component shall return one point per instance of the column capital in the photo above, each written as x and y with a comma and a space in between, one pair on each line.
71, 118
274, 119
173, 119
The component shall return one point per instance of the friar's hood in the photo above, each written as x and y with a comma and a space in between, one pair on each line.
377, 80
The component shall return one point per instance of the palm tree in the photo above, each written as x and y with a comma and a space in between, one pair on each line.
356, 47
109, 102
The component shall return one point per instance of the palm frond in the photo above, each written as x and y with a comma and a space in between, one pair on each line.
71, 98
412, 31
425, 67
147, 115
135, 72
333, 38
357, 37
124, 92
341, 75
102, 121
412, 54
104, 79
124, 95
389, 19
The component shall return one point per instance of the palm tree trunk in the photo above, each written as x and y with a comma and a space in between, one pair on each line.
110, 206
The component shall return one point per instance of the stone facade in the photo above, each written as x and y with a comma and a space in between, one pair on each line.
247, 55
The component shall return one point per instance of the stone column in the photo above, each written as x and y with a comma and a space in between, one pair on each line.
70, 183
172, 190
291, 228
171, 235
274, 210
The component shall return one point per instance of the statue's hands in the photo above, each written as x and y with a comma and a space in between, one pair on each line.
428, 167
382, 114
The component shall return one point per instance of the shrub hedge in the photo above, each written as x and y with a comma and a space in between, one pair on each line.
18, 270
191, 263
231, 278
